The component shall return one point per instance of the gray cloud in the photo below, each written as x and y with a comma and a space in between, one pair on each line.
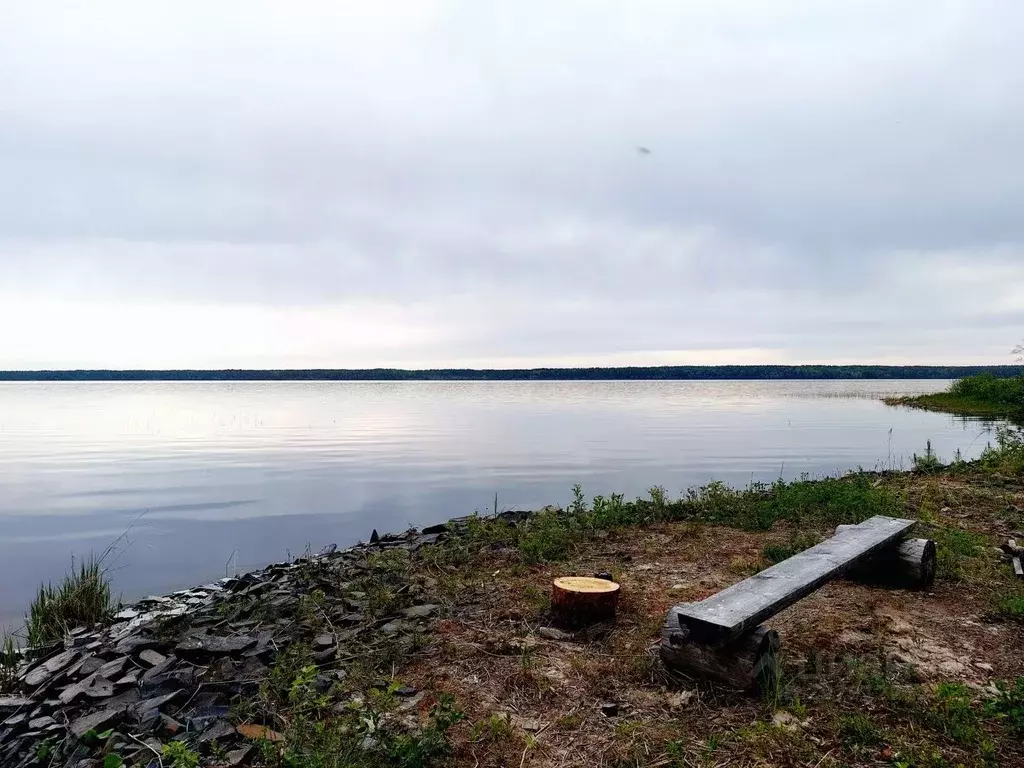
832, 182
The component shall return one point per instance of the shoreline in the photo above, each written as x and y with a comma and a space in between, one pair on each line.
234, 669
944, 402
982, 395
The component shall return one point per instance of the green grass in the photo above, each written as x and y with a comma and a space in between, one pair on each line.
9, 661
798, 542
958, 552
337, 729
81, 599
1008, 705
954, 714
177, 755
859, 730
981, 395
1009, 607
1007, 456
554, 534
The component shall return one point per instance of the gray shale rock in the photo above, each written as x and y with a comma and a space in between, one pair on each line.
98, 721
169, 667
213, 645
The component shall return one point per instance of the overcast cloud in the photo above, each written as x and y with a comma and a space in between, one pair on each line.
430, 183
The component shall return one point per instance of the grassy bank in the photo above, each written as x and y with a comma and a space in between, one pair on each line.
870, 676
982, 395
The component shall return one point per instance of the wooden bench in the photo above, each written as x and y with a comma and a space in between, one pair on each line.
721, 638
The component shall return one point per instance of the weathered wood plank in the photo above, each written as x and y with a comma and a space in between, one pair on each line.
743, 606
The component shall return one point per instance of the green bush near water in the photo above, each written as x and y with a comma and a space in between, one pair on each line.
81, 599
981, 395
986, 388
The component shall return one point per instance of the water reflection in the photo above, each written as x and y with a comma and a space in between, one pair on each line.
207, 472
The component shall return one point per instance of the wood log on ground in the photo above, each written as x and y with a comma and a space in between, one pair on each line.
1011, 548
1016, 557
749, 662
581, 600
908, 565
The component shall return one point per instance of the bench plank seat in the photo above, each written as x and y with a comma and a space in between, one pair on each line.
745, 605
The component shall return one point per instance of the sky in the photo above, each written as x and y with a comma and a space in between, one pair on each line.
434, 183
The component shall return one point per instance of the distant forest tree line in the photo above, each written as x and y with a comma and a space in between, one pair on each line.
658, 373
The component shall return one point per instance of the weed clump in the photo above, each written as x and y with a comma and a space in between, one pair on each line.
324, 730
928, 463
81, 599
1008, 607
9, 661
1008, 705
1007, 456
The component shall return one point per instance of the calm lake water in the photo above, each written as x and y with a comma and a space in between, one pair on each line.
209, 477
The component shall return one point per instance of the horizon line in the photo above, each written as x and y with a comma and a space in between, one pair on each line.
666, 372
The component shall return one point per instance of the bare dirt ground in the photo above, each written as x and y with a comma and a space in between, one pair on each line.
862, 666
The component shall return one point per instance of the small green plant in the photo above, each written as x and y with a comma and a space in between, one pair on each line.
928, 463
277, 686
360, 737
953, 713
81, 599
1008, 705
303, 695
1008, 607
177, 755
92, 738
113, 760
311, 606
859, 730
430, 746
44, 751
495, 729
389, 562
957, 550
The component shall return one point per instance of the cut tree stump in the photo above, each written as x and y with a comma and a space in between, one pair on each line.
748, 663
910, 565
581, 600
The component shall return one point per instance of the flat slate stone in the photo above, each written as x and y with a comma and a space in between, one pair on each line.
10, 704
95, 686
97, 721
198, 645
113, 669
50, 667
745, 605
420, 611
151, 657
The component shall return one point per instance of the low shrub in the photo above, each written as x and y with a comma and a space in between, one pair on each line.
81, 599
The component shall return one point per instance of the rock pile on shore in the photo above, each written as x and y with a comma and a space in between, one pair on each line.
169, 667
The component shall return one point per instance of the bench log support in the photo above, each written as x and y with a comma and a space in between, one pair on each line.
748, 663
910, 565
